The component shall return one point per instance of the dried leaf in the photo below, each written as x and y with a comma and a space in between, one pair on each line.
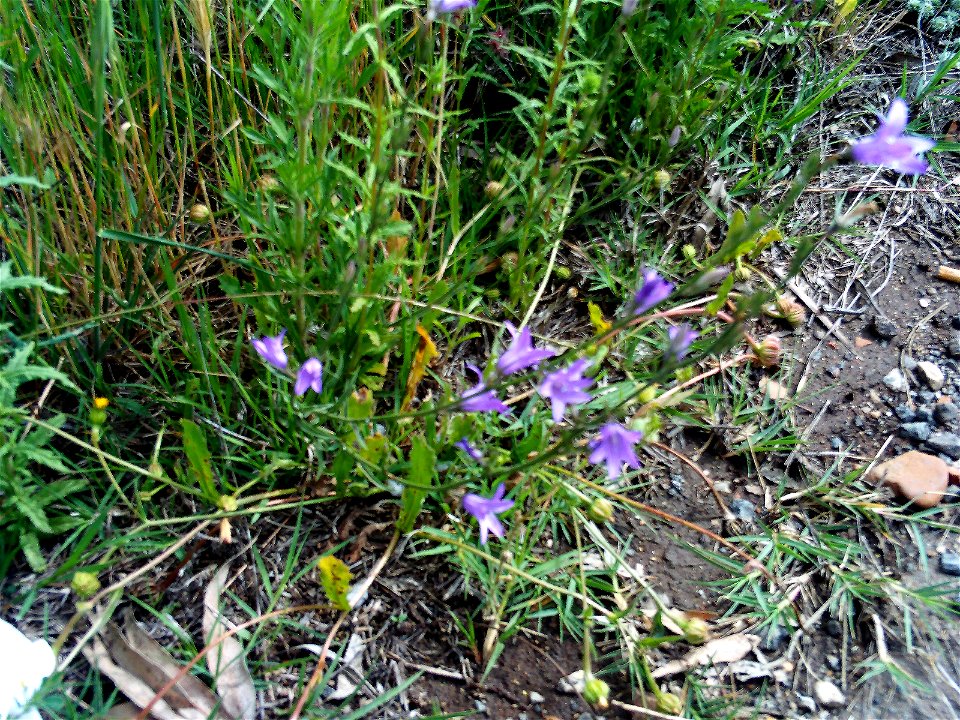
722, 650
335, 577
226, 661
426, 351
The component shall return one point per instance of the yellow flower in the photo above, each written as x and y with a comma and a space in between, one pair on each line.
100, 403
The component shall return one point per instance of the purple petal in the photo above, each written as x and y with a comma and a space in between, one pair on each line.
889, 147
653, 291
271, 349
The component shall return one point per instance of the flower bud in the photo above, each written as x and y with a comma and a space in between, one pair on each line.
597, 693
600, 510
155, 470
590, 83
669, 703
98, 413
695, 631
648, 394
752, 44
689, 252
493, 189
199, 213
661, 178
791, 311
84, 584
767, 353
227, 503
268, 183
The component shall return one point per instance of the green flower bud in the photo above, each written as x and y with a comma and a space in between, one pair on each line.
669, 703
695, 631
600, 510
199, 213
689, 252
597, 693
661, 178
648, 394
590, 83
84, 584
684, 374
227, 503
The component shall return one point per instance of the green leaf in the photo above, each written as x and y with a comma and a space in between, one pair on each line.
198, 457
31, 550
9, 281
722, 292
423, 466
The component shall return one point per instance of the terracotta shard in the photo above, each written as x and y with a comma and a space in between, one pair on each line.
916, 477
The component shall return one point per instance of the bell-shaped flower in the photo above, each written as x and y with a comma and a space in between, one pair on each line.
479, 398
614, 447
653, 291
521, 354
271, 349
310, 376
440, 7
681, 337
24, 665
889, 147
566, 387
469, 449
485, 510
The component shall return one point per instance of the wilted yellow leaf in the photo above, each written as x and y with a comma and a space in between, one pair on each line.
426, 352
335, 577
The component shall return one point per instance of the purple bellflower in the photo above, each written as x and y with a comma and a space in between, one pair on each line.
440, 7
521, 354
889, 147
652, 292
309, 376
479, 398
566, 387
614, 446
271, 349
485, 510
681, 337
469, 449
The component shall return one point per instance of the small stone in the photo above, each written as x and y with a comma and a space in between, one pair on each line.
909, 363
676, 484
480, 705
923, 414
915, 477
836, 443
953, 347
833, 371
947, 443
927, 396
536, 698
946, 412
916, 431
572, 683
805, 702
833, 662
904, 412
924, 302
931, 374
950, 563
743, 510
828, 695
859, 422
896, 381
885, 327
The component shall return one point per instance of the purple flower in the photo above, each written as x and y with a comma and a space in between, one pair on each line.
485, 510
469, 449
479, 399
566, 387
271, 349
439, 7
309, 376
889, 147
652, 292
681, 336
614, 447
521, 354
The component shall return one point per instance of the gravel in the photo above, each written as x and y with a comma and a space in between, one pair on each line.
947, 443
743, 510
916, 431
950, 563
885, 327
896, 381
946, 412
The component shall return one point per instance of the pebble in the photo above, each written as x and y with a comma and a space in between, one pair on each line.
916, 431
915, 477
953, 347
904, 412
836, 443
947, 443
946, 412
924, 302
909, 363
834, 371
950, 563
743, 510
833, 662
536, 697
931, 373
896, 381
885, 327
828, 695
923, 414
480, 705
804, 702
927, 396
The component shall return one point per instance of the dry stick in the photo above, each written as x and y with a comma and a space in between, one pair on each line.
145, 712
359, 591
696, 468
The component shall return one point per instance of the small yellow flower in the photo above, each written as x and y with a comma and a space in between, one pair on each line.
100, 403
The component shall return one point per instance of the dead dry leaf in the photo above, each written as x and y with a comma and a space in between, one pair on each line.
722, 650
226, 661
